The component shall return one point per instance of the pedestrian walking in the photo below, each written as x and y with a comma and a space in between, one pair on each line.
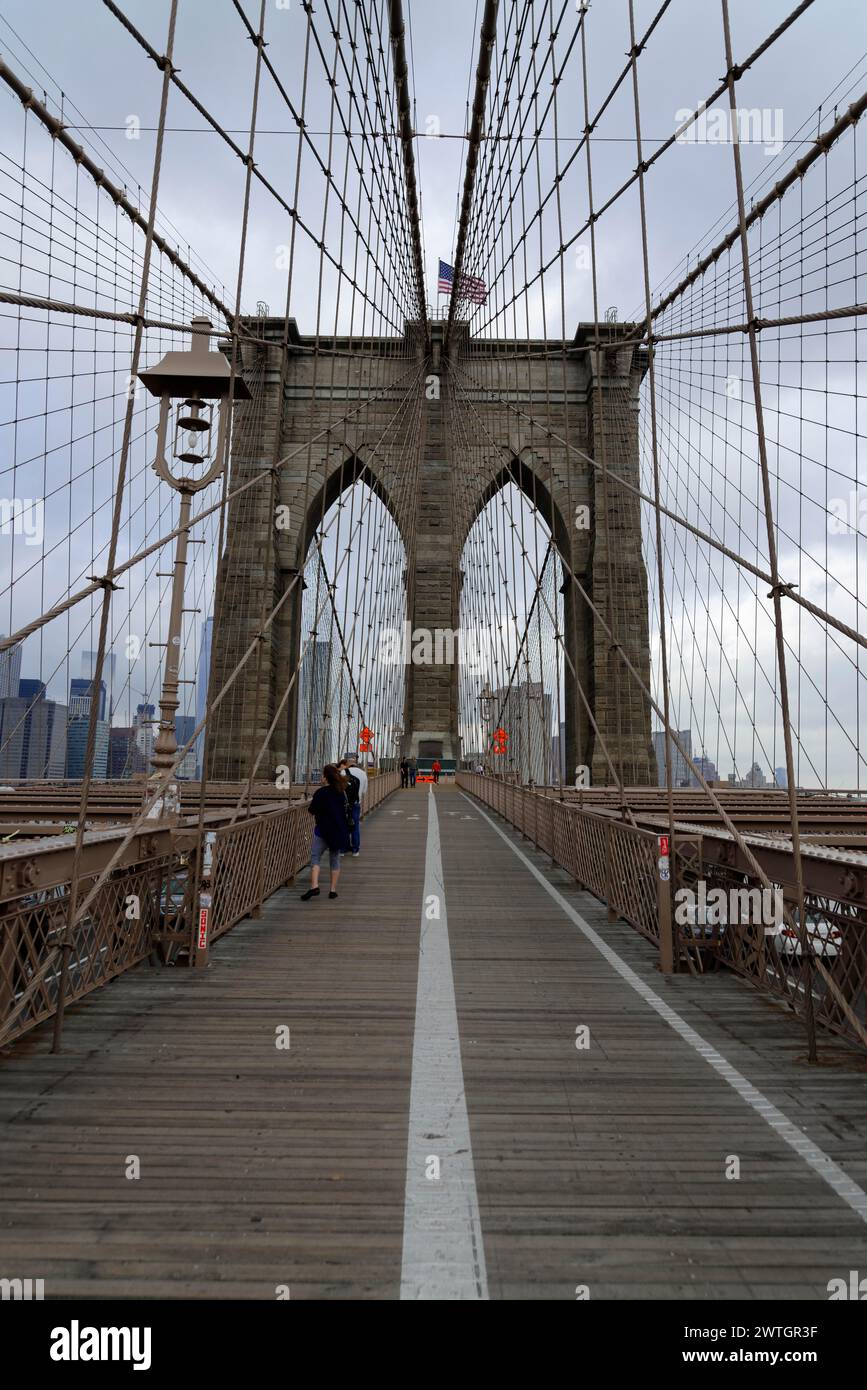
436, 770
330, 813
404, 772
413, 771
355, 786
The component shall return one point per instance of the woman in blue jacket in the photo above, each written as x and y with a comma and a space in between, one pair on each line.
330, 812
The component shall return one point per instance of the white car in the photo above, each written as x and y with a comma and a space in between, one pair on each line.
825, 939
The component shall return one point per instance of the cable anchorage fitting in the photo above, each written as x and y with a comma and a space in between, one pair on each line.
104, 582
782, 590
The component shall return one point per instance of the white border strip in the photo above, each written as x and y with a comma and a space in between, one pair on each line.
840, 1182
443, 1251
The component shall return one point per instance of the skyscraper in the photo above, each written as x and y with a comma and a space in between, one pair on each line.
88, 666
316, 734
32, 734
184, 725
121, 750
680, 770
755, 778
80, 690
80, 697
143, 739
10, 671
708, 770
202, 676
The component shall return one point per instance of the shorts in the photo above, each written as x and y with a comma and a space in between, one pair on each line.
319, 848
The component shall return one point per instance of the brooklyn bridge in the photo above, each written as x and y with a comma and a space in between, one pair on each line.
472, 396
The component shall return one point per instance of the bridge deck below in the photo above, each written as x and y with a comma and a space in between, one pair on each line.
610, 1167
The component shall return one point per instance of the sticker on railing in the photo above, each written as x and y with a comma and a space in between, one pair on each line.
203, 923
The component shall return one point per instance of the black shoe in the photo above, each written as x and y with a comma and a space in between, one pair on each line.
311, 893
332, 895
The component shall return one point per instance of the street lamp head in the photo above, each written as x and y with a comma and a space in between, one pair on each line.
195, 373
187, 382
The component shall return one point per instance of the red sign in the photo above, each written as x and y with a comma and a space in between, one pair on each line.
663, 847
203, 929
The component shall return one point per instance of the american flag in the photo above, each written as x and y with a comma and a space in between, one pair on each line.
471, 288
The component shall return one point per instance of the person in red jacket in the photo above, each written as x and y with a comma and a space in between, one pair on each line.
436, 770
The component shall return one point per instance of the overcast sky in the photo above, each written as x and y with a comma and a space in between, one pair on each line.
101, 69
92, 69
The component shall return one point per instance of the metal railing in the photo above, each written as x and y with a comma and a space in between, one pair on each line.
134, 909
116, 933
614, 861
619, 864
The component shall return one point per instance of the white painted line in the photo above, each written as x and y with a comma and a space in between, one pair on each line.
839, 1181
443, 1252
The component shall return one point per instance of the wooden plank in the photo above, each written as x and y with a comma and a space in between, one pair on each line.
261, 1168
581, 1154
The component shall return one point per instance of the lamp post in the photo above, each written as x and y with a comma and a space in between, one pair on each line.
486, 700
187, 384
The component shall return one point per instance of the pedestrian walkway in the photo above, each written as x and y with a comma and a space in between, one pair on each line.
488, 1091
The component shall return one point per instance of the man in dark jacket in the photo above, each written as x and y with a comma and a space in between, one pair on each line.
355, 786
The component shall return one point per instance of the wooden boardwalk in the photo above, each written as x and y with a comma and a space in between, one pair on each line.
262, 1168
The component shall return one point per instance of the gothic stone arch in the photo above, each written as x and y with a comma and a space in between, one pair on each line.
281, 419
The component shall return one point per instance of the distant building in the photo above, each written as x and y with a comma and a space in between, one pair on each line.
80, 697
317, 738
524, 711
202, 677
80, 692
88, 667
780, 777
680, 769
755, 777
708, 770
32, 734
558, 755
143, 749
184, 726
121, 750
10, 671
31, 689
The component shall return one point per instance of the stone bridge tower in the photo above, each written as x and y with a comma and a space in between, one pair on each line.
302, 412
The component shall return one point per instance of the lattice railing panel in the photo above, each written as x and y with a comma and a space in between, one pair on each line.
117, 933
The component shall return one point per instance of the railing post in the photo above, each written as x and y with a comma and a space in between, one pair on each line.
609, 873
291, 866
202, 926
663, 899
257, 911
